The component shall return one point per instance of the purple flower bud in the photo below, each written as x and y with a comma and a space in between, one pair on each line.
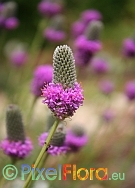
130, 90
18, 57
77, 29
106, 86
85, 49
99, 66
90, 15
76, 138
49, 8
54, 35
42, 74
11, 23
108, 115
128, 49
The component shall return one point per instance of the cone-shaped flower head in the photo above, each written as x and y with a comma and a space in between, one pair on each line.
76, 138
64, 95
57, 144
93, 30
64, 66
14, 124
16, 144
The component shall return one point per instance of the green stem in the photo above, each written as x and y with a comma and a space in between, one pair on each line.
42, 152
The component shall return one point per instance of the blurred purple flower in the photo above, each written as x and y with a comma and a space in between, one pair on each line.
49, 8
18, 149
18, 57
108, 115
54, 35
99, 65
11, 23
90, 15
75, 139
53, 149
85, 49
2, 21
78, 28
42, 74
106, 86
130, 90
128, 48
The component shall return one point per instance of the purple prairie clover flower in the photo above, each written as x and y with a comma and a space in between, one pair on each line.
90, 15
54, 35
106, 86
108, 115
64, 95
76, 139
130, 90
85, 49
99, 65
128, 48
57, 144
17, 149
11, 23
62, 102
42, 74
49, 8
55, 31
18, 57
16, 145
78, 28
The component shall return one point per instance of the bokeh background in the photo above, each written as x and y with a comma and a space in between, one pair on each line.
108, 113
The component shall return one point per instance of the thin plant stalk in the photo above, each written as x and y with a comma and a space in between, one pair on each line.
42, 152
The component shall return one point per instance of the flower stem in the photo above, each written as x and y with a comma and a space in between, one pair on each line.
42, 152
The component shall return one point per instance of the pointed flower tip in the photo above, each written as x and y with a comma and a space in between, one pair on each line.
64, 66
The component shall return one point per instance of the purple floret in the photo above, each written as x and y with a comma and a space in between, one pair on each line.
11, 23
62, 102
18, 57
49, 9
99, 66
90, 15
42, 74
130, 90
17, 149
53, 150
54, 35
106, 86
78, 29
108, 115
128, 49
74, 141
85, 49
